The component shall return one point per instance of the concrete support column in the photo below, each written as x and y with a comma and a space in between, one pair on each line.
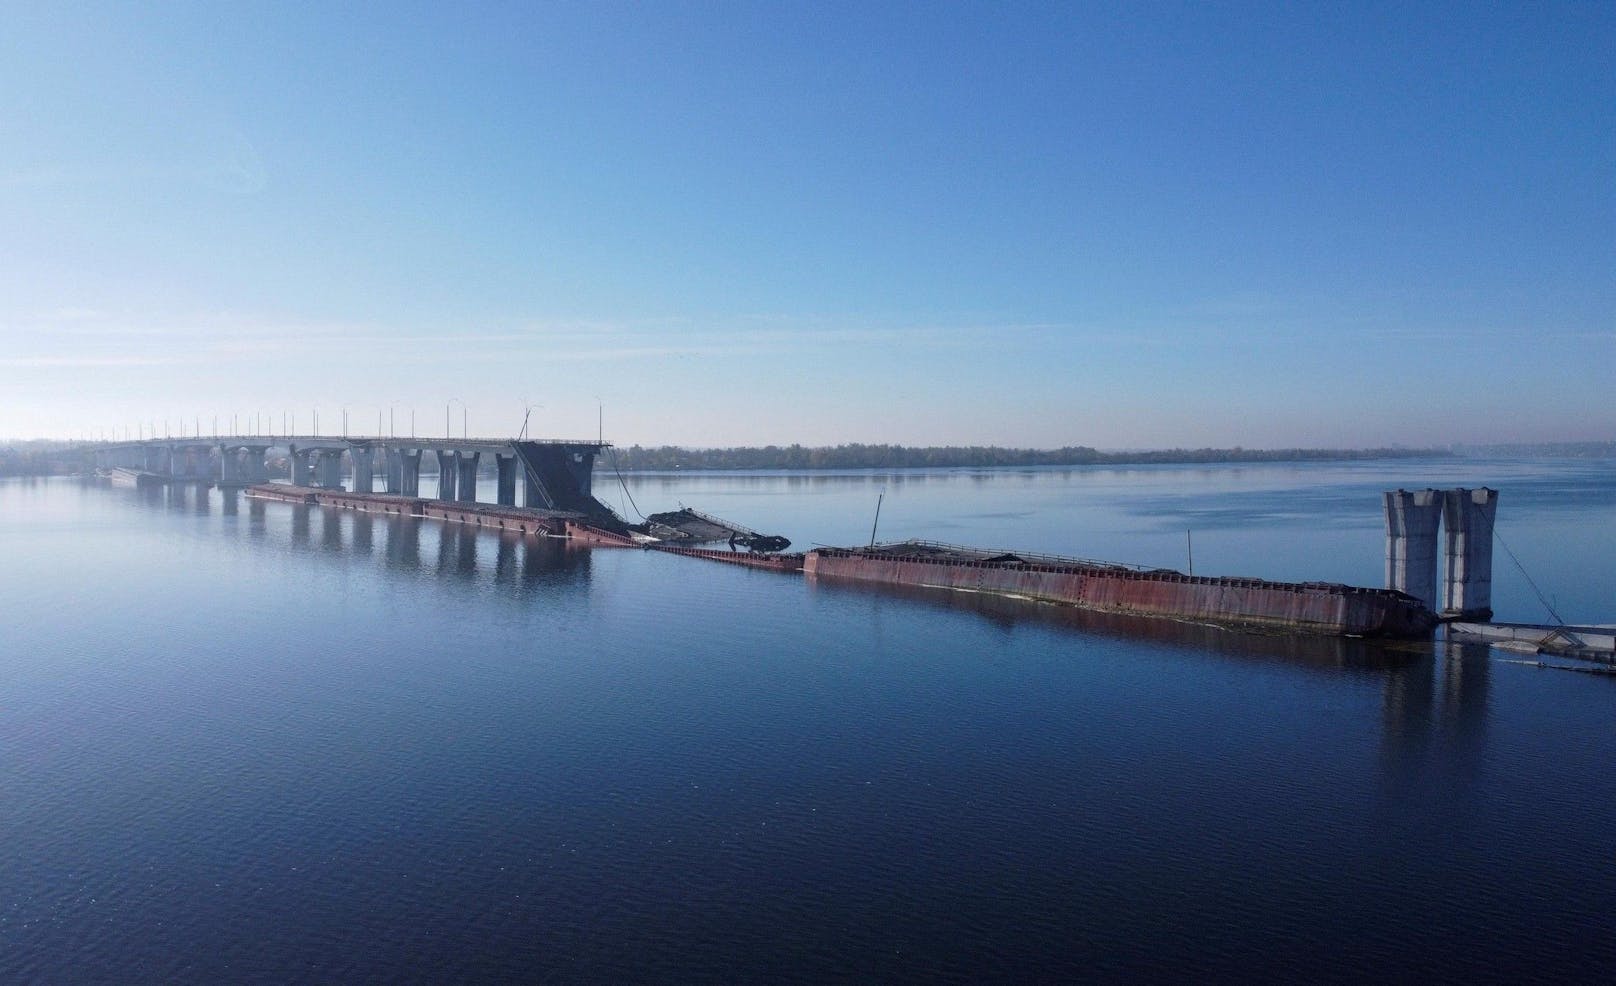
409, 472
229, 466
254, 467
507, 480
364, 475
1468, 516
299, 459
468, 477
331, 468
1411, 525
395, 470
446, 474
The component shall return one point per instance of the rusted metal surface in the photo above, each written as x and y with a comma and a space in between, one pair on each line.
1307, 607
589, 534
771, 562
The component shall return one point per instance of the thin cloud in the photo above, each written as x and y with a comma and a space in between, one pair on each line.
39, 362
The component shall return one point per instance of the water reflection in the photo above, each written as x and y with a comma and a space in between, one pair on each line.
1432, 737
1302, 650
1434, 732
362, 537
403, 543
461, 552
331, 528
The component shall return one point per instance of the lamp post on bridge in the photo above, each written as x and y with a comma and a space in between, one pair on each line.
447, 430
527, 409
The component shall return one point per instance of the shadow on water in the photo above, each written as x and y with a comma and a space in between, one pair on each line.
1433, 695
1303, 650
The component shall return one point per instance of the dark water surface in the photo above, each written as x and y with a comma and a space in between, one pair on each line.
254, 742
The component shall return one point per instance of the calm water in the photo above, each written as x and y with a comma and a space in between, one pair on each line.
254, 742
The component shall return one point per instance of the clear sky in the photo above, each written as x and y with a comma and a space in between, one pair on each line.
1139, 225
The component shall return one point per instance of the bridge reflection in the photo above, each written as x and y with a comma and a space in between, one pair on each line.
401, 543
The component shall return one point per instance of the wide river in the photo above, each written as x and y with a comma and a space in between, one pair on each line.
252, 742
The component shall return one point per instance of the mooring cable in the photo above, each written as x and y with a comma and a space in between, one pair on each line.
623, 482
1526, 575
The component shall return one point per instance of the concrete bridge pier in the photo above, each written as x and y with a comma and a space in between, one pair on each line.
506, 496
364, 475
255, 468
409, 472
190, 464
1411, 525
229, 466
330, 468
447, 469
302, 474
1468, 517
392, 470
468, 477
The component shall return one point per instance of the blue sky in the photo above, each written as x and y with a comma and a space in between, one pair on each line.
1139, 225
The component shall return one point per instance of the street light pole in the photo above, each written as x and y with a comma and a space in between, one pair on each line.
448, 430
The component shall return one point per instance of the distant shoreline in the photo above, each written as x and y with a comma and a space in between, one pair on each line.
41, 457
637, 458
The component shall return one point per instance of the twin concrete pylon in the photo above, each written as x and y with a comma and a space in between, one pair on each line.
1466, 517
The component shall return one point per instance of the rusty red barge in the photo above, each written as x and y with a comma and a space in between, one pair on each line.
1308, 607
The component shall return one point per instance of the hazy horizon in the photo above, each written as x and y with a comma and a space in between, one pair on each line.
1120, 226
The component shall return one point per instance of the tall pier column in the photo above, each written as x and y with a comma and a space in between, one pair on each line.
409, 472
302, 475
446, 474
364, 475
507, 480
184, 462
254, 467
468, 477
229, 466
1468, 516
394, 470
330, 468
1411, 525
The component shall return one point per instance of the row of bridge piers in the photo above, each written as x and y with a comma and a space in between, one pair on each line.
553, 475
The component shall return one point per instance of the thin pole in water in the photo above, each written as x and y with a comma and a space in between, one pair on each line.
877, 523
1190, 546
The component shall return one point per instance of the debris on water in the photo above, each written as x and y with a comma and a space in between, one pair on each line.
691, 525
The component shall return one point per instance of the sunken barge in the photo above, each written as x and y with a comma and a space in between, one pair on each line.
1306, 607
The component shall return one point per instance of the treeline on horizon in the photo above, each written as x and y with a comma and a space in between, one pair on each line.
637, 458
